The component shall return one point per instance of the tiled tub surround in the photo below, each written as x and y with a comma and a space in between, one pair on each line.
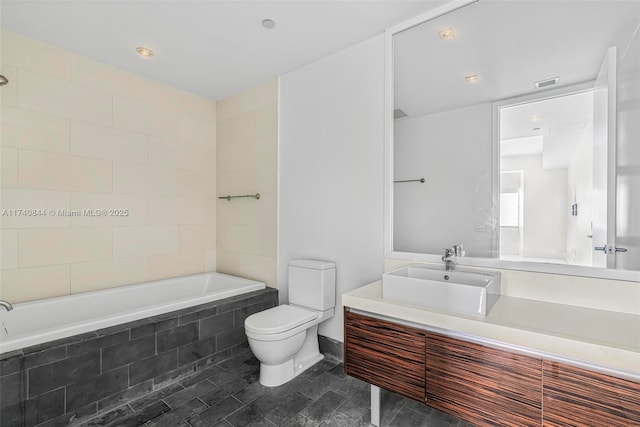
78, 134
73, 378
54, 318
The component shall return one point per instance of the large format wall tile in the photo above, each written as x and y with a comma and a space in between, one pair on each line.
34, 131
47, 171
107, 178
32, 55
247, 163
52, 96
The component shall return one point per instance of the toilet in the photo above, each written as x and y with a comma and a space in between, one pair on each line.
285, 338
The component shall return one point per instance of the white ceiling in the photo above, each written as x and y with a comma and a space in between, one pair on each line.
561, 123
509, 45
208, 47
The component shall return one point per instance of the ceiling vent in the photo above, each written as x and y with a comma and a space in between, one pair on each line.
546, 83
398, 114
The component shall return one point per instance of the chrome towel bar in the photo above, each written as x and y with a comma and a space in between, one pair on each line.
255, 196
421, 180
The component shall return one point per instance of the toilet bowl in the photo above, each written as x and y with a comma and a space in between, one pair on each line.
285, 338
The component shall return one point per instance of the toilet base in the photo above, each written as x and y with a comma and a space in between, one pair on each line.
275, 375
308, 355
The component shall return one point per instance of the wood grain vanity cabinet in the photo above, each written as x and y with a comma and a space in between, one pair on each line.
385, 354
574, 396
482, 385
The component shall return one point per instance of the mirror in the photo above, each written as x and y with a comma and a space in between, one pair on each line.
515, 133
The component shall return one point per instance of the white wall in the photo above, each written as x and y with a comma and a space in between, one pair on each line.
331, 168
545, 206
452, 150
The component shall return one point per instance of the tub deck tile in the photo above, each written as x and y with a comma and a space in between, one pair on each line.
128, 352
240, 314
97, 343
211, 326
113, 329
64, 372
10, 355
176, 375
62, 341
178, 336
18, 361
200, 314
214, 358
153, 366
232, 305
34, 411
97, 388
213, 373
196, 350
231, 338
151, 326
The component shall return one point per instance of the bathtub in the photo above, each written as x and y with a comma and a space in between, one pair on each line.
42, 321
66, 359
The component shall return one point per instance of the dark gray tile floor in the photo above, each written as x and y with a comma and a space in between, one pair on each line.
229, 394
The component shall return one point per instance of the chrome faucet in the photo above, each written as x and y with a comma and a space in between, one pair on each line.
6, 305
450, 256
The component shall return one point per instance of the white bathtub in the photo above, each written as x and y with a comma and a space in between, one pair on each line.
50, 319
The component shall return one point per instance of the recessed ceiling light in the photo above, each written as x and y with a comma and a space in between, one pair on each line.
471, 78
448, 33
535, 118
268, 23
144, 51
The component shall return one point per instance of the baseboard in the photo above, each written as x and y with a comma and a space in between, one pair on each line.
332, 349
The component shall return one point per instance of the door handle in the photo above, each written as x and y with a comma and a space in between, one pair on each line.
606, 249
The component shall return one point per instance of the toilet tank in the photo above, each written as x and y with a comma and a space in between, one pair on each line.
312, 284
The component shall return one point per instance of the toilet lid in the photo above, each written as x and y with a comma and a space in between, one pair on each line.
278, 319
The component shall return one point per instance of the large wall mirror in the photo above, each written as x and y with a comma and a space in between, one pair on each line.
516, 133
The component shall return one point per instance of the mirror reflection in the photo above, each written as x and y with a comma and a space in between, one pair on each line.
516, 133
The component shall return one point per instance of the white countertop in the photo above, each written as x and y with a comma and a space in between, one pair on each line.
602, 339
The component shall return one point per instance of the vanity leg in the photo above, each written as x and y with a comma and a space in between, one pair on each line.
375, 405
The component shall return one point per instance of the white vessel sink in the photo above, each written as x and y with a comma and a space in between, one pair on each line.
462, 290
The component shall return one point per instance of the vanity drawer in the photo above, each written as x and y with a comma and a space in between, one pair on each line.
385, 354
483, 385
577, 397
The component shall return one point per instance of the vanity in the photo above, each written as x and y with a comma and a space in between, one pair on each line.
527, 363
520, 147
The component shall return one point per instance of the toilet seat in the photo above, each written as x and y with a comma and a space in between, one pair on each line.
278, 320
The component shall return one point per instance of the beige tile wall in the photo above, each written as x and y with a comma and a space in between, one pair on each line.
247, 163
78, 134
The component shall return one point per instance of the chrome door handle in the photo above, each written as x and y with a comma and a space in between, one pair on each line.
605, 249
